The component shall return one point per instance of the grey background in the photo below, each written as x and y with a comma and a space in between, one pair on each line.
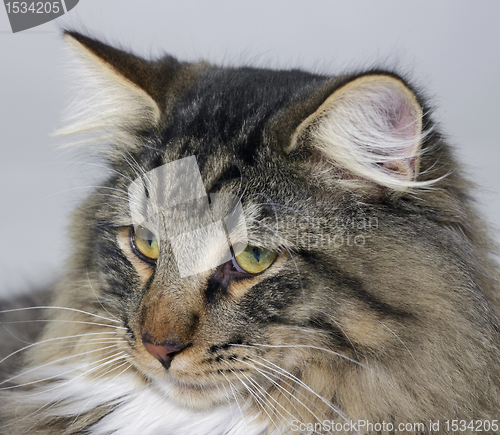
450, 48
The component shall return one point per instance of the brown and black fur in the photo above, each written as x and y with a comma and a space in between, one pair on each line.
402, 328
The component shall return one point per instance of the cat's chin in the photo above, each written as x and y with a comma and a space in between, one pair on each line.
198, 396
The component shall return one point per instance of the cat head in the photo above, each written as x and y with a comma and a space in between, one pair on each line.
350, 217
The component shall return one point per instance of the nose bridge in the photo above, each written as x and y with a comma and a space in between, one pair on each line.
170, 312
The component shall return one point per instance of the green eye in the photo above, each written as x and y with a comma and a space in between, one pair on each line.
255, 260
145, 243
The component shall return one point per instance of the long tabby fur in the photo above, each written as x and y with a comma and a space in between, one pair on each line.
381, 306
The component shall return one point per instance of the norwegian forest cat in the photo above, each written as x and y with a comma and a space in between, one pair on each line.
272, 252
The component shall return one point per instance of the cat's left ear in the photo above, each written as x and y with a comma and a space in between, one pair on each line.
369, 128
120, 91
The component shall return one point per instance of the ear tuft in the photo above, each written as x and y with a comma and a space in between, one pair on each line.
116, 91
371, 127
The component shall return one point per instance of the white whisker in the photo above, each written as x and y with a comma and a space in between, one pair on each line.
48, 364
105, 361
55, 401
290, 376
50, 340
59, 308
330, 317
395, 335
109, 381
90, 284
322, 349
284, 390
235, 391
258, 400
264, 392
59, 321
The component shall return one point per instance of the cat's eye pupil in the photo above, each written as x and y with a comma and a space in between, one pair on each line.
145, 244
254, 259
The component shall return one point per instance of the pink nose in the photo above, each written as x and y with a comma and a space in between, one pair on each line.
164, 352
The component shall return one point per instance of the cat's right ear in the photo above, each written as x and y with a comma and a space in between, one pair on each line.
120, 91
367, 132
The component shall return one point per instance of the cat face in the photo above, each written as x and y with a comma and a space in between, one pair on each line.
224, 326
337, 182
319, 258
191, 334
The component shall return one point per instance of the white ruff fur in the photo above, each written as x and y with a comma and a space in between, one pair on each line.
141, 409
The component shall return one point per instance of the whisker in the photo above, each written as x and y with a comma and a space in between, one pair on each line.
114, 189
218, 385
50, 340
13, 335
109, 381
395, 335
234, 390
90, 284
263, 391
343, 332
309, 346
107, 195
55, 402
84, 187
114, 357
284, 390
48, 364
71, 344
57, 321
290, 376
60, 308
136, 167
258, 400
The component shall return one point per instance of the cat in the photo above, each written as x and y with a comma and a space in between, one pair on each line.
272, 252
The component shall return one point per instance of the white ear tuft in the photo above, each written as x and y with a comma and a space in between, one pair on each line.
371, 127
109, 105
